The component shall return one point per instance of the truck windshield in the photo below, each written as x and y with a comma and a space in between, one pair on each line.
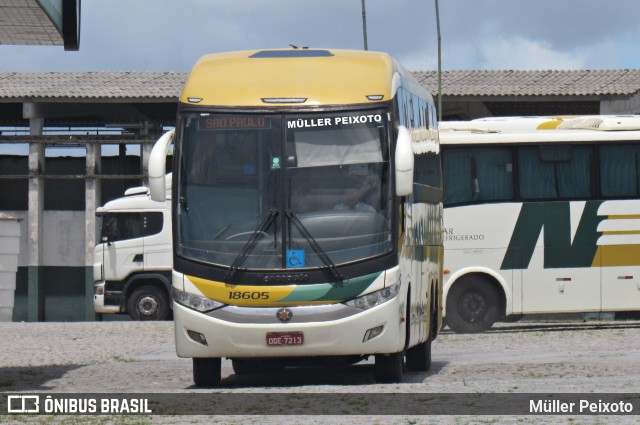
243, 177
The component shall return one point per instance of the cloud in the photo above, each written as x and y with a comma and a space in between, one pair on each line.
521, 53
424, 60
159, 35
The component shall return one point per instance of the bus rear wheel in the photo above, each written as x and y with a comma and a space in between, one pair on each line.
388, 367
472, 306
419, 356
207, 372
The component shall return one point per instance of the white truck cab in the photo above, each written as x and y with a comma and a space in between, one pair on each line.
133, 257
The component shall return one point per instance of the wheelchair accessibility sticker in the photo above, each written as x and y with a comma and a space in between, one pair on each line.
295, 258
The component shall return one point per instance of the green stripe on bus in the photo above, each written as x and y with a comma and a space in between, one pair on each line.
338, 291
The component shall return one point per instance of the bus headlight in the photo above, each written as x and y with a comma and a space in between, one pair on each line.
195, 302
373, 299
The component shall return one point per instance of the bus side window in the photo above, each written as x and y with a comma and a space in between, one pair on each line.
555, 172
536, 178
620, 171
478, 175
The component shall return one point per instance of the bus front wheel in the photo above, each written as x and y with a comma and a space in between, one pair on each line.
419, 357
388, 367
472, 306
207, 372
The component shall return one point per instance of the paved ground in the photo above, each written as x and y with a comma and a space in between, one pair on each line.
98, 357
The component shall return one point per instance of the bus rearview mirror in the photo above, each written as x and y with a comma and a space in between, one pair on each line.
404, 163
157, 167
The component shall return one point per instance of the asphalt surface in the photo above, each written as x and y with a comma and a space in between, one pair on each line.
139, 357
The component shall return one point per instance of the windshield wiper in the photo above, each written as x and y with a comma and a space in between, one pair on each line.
316, 247
251, 243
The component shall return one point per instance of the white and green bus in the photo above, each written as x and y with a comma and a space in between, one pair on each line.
542, 215
302, 231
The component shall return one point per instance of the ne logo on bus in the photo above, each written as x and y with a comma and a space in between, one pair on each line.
554, 219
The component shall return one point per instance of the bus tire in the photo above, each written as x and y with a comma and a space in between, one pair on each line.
241, 367
247, 366
207, 372
419, 357
472, 305
388, 368
148, 303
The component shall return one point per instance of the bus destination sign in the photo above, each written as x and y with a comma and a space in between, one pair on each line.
235, 122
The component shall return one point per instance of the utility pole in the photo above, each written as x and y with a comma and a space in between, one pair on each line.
439, 63
364, 25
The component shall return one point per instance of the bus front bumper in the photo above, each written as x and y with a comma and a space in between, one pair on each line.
200, 335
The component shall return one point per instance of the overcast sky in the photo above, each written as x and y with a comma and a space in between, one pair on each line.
170, 35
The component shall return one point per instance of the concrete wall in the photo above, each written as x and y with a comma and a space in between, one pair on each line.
58, 197
616, 106
64, 285
62, 238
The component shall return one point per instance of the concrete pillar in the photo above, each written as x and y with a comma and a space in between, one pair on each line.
35, 295
36, 126
92, 201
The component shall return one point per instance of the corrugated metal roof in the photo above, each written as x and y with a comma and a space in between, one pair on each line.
26, 22
20, 86
534, 83
91, 85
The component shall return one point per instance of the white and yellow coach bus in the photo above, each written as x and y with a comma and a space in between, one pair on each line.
541, 216
302, 228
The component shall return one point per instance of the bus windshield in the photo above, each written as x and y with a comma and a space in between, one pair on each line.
280, 191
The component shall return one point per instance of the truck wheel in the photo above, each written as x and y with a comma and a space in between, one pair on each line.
472, 306
388, 368
207, 372
148, 303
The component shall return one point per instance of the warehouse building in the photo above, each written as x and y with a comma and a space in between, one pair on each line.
72, 141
